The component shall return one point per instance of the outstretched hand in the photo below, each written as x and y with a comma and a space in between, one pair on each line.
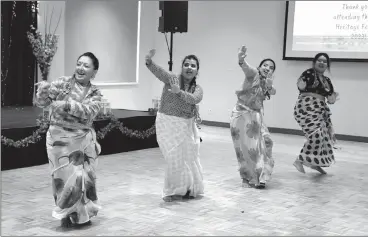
301, 84
43, 85
150, 55
43, 88
242, 53
269, 83
333, 98
174, 83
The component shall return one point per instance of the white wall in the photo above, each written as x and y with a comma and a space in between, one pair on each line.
216, 30
105, 39
45, 8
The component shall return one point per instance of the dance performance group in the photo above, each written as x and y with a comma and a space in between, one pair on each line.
73, 150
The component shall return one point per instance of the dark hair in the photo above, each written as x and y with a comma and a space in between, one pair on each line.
268, 59
268, 96
94, 59
193, 83
326, 56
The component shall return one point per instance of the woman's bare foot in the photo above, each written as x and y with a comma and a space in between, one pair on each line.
246, 184
299, 166
168, 198
319, 169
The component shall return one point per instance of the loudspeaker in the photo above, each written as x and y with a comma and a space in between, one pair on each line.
174, 16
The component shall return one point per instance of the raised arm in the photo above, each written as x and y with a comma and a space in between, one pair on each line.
249, 71
158, 71
192, 98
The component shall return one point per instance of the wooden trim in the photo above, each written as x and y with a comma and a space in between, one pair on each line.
342, 137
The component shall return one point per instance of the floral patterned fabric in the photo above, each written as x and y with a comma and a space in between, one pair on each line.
253, 91
252, 141
72, 147
253, 146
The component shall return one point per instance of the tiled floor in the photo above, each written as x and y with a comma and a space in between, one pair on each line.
130, 191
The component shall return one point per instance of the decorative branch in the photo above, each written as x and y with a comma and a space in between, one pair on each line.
44, 123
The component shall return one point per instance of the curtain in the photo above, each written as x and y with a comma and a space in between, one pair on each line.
18, 65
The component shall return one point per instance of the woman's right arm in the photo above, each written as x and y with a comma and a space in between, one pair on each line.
249, 71
158, 71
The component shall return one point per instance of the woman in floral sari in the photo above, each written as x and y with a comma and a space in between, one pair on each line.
252, 141
313, 116
176, 130
71, 142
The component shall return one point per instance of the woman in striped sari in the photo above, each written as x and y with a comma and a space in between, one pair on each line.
176, 128
252, 141
71, 142
312, 113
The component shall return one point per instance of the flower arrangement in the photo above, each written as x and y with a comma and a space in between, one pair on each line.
44, 48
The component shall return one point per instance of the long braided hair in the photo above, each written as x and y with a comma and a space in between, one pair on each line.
192, 86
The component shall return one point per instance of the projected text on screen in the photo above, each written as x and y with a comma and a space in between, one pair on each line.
339, 28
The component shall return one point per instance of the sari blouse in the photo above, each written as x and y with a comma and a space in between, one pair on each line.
182, 104
253, 90
315, 85
79, 105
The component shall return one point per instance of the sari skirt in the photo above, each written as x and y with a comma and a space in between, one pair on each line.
179, 142
73, 159
253, 145
313, 116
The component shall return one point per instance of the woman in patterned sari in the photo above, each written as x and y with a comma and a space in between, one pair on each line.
252, 141
176, 130
313, 116
71, 142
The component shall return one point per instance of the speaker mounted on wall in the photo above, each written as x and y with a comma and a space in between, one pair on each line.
174, 16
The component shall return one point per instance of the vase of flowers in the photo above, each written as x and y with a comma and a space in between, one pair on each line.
44, 48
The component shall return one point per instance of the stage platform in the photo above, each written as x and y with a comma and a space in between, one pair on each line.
20, 122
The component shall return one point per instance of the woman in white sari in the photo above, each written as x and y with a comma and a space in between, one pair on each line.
176, 130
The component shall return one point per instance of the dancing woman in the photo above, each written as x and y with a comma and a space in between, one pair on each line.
176, 130
71, 142
252, 141
313, 116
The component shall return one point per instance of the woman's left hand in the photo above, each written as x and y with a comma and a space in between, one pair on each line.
332, 98
174, 82
272, 91
269, 83
58, 103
